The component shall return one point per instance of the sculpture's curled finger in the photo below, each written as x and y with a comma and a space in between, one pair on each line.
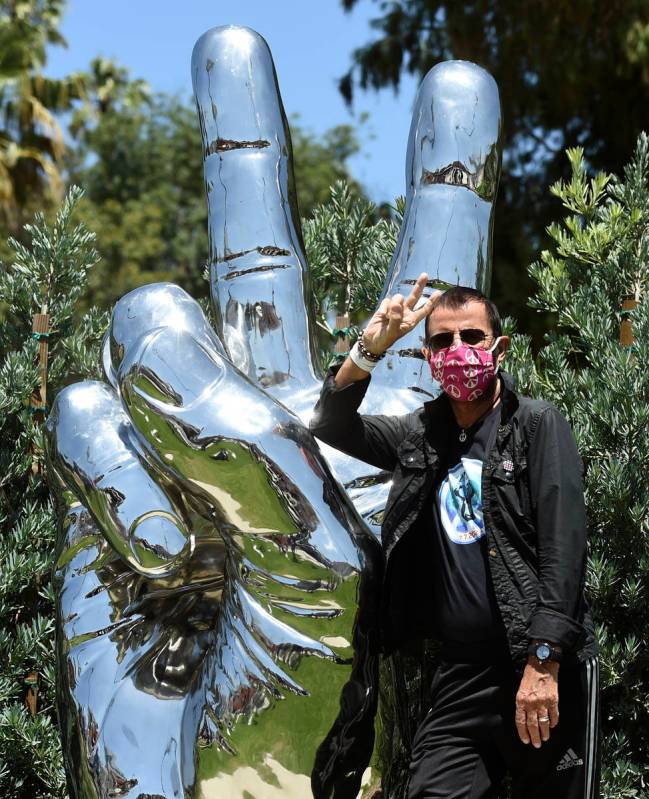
139, 578
90, 446
146, 308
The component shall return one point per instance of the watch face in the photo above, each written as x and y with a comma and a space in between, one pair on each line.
543, 652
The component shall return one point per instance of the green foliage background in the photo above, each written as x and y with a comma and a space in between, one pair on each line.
600, 258
52, 271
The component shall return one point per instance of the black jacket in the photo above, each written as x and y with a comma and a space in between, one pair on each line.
533, 507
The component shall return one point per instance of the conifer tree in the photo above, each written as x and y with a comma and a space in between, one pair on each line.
349, 249
45, 280
593, 366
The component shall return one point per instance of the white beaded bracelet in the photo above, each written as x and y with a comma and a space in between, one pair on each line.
362, 363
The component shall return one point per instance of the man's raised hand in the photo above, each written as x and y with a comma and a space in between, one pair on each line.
395, 317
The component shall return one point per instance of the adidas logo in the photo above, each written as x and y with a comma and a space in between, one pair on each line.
569, 760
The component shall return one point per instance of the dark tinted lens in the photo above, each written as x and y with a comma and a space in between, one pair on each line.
472, 336
441, 340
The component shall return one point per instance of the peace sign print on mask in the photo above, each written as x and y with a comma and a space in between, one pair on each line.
464, 372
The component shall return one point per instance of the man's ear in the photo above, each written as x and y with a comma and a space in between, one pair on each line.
503, 346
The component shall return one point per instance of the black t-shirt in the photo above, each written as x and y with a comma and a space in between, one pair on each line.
464, 599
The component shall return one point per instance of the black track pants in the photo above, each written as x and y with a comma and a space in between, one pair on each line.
468, 740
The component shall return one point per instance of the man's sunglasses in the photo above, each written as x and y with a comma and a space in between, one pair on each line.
470, 335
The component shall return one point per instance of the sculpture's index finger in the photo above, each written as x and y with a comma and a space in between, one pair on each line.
235, 87
259, 278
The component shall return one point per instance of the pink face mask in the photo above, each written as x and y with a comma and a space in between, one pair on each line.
464, 372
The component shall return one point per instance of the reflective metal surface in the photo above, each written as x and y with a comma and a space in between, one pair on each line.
217, 589
260, 283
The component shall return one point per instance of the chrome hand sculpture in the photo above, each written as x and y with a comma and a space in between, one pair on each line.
217, 586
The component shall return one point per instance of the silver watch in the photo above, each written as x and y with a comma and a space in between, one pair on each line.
544, 651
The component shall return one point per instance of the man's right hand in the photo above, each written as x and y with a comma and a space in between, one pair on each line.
395, 317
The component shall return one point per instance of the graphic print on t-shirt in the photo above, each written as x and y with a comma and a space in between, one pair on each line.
460, 502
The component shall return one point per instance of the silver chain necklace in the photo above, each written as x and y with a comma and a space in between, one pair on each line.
463, 435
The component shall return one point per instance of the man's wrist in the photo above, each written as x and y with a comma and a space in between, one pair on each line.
367, 352
547, 667
543, 651
359, 357
349, 373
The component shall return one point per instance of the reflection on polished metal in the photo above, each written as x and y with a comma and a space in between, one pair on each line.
162, 304
259, 281
257, 265
145, 527
216, 589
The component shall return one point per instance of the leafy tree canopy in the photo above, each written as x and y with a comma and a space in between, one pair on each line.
31, 142
137, 155
32, 145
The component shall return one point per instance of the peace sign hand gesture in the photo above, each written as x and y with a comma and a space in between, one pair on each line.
395, 317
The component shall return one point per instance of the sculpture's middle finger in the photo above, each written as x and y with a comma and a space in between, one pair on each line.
452, 171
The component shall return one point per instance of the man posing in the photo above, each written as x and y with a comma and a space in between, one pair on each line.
484, 539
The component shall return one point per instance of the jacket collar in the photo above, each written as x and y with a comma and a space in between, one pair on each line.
509, 396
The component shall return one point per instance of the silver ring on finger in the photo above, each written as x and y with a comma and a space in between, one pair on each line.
544, 719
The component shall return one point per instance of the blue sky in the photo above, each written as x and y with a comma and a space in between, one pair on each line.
311, 42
